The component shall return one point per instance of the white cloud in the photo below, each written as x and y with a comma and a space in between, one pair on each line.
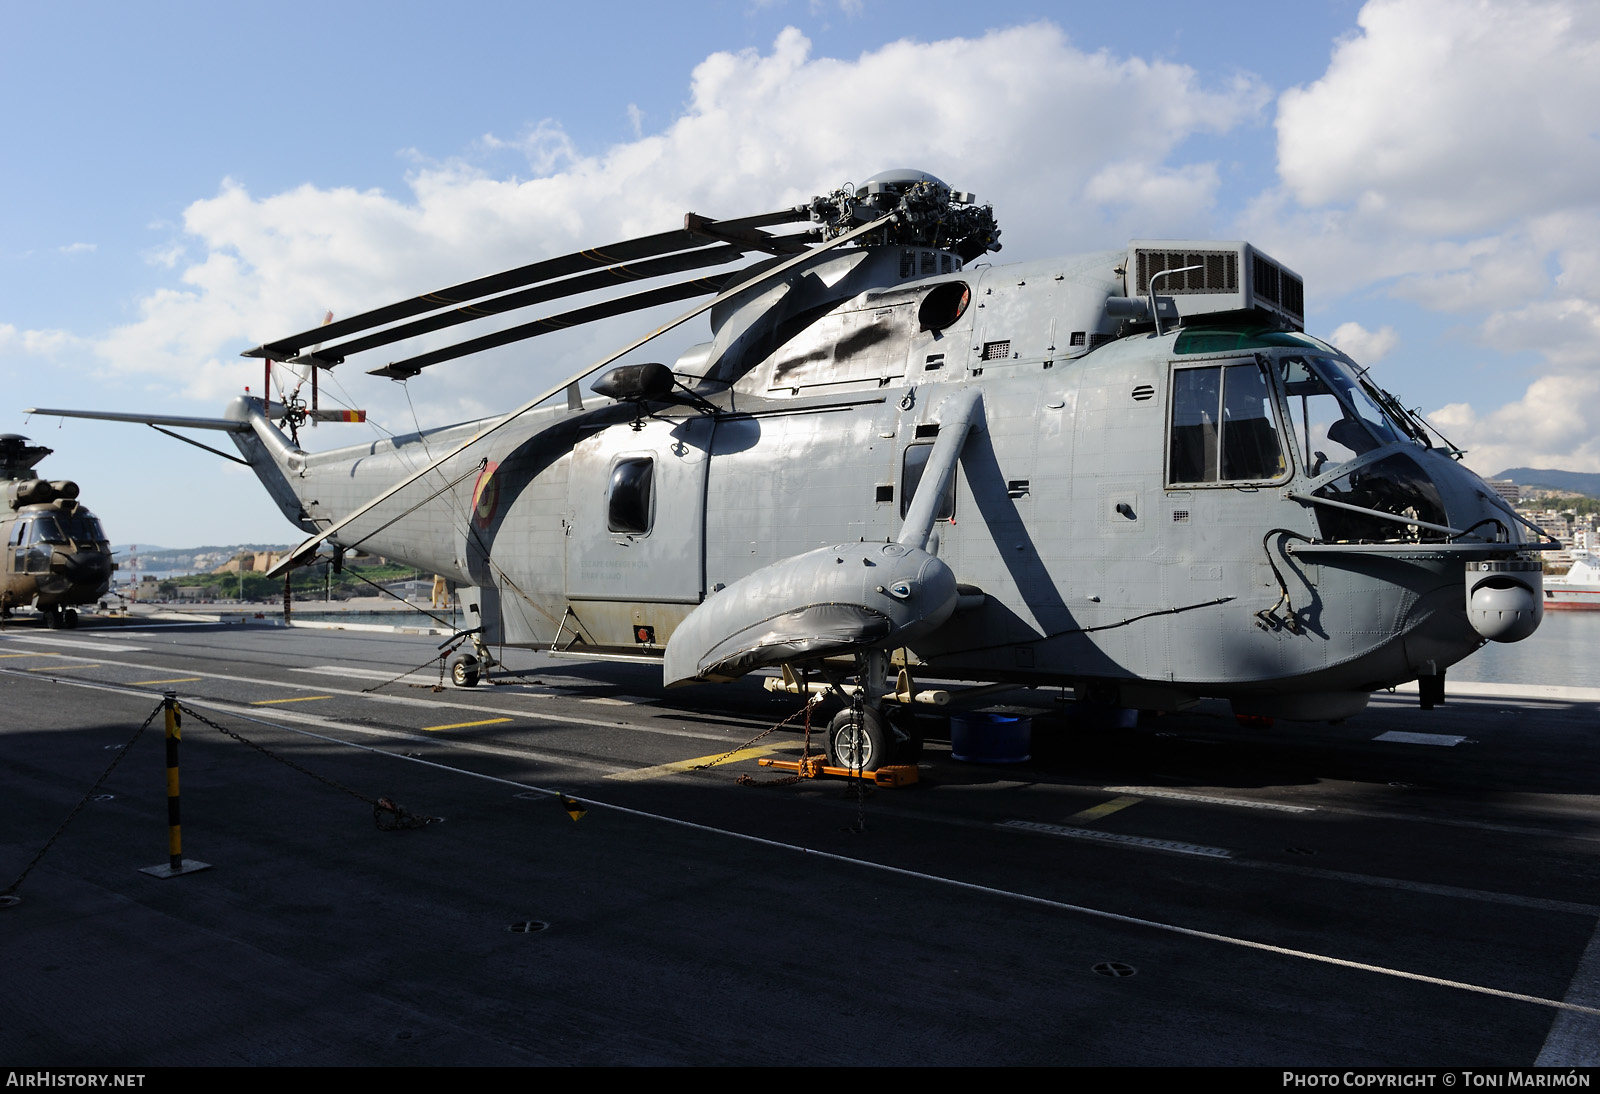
1550, 426
1566, 330
1451, 116
77, 248
1366, 346
35, 342
760, 131
1448, 156
166, 256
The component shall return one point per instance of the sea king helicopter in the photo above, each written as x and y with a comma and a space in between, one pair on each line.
1128, 472
56, 554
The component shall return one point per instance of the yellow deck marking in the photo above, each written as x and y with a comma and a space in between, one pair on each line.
25, 655
684, 765
466, 725
299, 699
54, 668
179, 680
1105, 809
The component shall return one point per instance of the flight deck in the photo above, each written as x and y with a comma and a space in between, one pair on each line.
1407, 887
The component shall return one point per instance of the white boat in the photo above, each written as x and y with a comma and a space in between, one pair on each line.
1578, 588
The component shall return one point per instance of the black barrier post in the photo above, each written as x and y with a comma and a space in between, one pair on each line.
176, 864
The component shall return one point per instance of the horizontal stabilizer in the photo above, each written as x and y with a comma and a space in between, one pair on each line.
172, 420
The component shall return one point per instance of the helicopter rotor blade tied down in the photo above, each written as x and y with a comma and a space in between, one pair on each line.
312, 542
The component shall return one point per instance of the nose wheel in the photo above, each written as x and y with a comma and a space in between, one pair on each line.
57, 618
859, 740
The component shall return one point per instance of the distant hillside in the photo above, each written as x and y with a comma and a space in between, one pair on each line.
1575, 482
186, 558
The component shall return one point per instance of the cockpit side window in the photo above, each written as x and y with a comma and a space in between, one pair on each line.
1223, 426
46, 530
1336, 417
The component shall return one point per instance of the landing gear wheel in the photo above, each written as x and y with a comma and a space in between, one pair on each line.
859, 740
52, 617
69, 618
464, 671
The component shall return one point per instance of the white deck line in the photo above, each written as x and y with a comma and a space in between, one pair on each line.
1471, 689
1574, 1038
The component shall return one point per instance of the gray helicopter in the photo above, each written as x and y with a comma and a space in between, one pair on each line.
1128, 472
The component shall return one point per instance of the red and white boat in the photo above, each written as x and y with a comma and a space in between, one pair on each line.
1578, 588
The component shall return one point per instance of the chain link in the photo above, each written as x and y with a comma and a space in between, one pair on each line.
805, 751
858, 712
745, 779
386, 813
121, 752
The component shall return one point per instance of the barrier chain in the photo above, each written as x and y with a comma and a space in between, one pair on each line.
387, 814
7, 895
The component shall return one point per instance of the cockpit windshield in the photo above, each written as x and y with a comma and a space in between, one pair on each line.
1335, 414
80, 527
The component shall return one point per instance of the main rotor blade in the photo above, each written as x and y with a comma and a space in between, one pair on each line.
782, 268
328, 356
627, 250
404, 370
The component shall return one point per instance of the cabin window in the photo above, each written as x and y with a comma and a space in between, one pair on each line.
943, 305
1223, 426
916, 461
28, 538
629, 506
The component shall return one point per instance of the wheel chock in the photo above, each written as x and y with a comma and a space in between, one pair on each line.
813, 767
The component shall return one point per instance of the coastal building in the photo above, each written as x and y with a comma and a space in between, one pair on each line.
1506, 489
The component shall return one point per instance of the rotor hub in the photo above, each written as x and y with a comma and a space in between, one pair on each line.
927, 213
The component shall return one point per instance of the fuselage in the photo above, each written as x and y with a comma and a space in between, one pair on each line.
56, 553
1221, 508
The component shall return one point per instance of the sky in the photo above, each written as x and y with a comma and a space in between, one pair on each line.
182, 181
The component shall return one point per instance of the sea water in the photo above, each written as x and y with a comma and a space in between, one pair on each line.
1557, 653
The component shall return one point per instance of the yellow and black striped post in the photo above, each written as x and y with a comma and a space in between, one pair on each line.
176, 864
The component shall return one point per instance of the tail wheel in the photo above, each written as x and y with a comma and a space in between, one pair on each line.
859, 740
465, 672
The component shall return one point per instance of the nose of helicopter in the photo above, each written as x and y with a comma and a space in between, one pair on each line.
82, 567
1504, 596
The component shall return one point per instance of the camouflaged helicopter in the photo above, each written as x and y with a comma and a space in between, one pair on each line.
1129, 472
56, 554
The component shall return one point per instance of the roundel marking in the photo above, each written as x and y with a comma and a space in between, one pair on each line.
485, 495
